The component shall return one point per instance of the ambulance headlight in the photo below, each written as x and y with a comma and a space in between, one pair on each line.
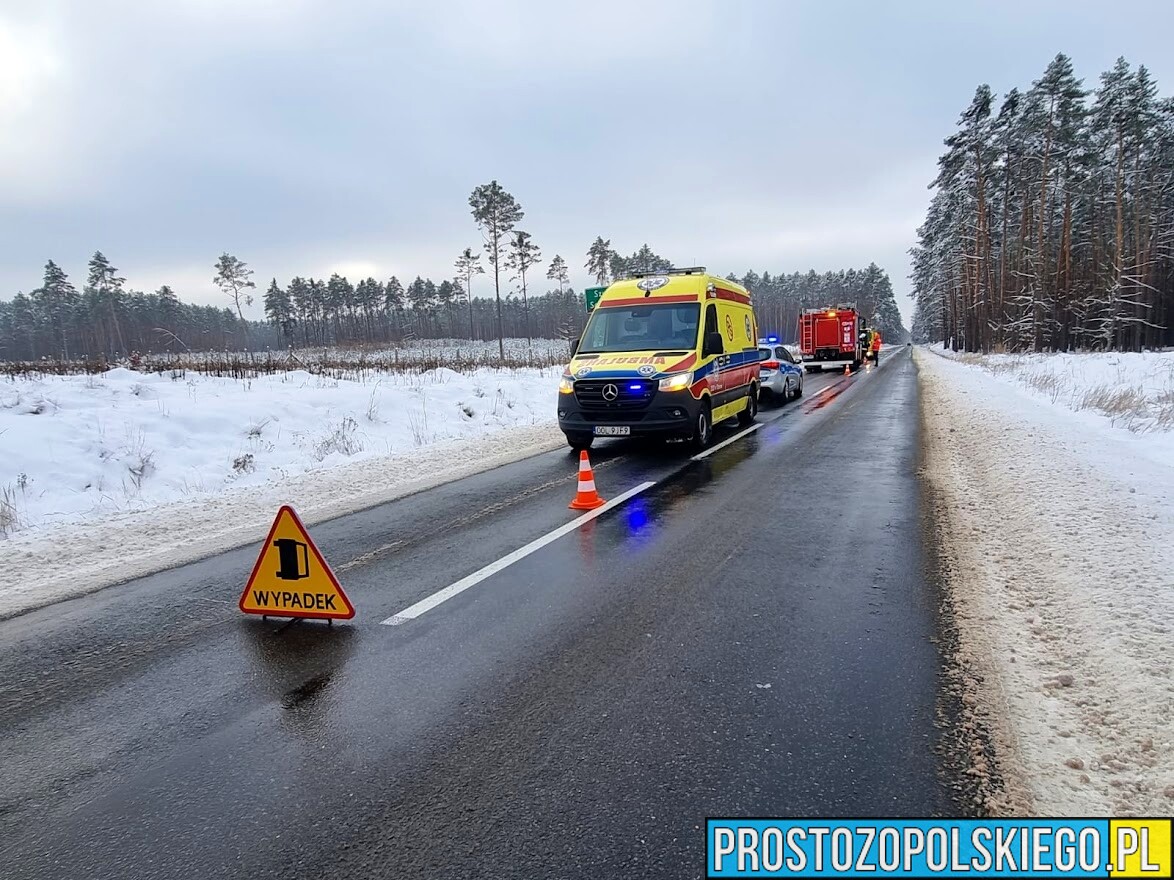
566, 385
679, 382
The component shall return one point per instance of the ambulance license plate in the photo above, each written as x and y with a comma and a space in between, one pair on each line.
612, 430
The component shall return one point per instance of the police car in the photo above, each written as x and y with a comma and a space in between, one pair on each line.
779, 374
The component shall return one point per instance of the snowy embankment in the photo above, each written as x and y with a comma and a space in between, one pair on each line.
117, 465
1056, 530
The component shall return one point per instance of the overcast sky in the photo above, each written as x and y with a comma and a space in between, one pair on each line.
314, 137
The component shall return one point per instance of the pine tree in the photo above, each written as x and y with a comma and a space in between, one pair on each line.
468, 264
965, 170
393, 302
557, 271
166, 321
496, 213
1056, 109
369, 300
446, 293
107, 292
320, 304
279, 308
1008, 139
644, 260
58, 299
421, 297
523, 255
302, 305
233, 277
599, 257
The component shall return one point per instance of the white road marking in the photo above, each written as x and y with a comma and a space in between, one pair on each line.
726, 442
430, 602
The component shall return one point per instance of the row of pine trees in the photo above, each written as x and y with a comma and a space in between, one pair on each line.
1051, 225
105, 320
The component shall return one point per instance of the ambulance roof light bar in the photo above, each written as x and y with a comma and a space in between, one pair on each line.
691, 270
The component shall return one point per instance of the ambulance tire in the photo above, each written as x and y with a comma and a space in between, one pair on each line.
750, 411
703, 428
579, 441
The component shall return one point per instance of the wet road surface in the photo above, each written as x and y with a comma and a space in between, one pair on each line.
751, 635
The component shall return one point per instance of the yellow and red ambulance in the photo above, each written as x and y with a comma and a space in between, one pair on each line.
669, 354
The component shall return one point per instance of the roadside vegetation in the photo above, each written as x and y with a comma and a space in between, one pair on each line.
1135, 391
1051, 226
355, 363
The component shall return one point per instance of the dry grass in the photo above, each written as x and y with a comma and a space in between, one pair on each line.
340, 438
1126, 404
1043, 381
354, 364
1129, 407
1164, 410
10, 519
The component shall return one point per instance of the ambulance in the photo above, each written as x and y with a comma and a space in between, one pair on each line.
669, 355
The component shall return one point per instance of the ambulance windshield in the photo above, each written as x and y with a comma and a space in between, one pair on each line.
641, 328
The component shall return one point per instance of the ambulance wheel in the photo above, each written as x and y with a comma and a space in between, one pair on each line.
578, 441
748, 413
703, 428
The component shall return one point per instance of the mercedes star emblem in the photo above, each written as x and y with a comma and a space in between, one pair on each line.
610, 392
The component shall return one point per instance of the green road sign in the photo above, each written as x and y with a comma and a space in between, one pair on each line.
592, 295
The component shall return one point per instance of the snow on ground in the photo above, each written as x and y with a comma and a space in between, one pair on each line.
1057, 531
1135, 390
113, 464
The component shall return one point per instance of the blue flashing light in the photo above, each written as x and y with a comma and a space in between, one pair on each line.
635, 386
772, 339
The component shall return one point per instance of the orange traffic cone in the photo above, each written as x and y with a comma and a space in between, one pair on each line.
847, 369
586, 498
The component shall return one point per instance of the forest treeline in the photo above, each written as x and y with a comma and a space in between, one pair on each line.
105, 319
101, 321
1051, 225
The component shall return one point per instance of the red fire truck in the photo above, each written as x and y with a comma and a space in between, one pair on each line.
831, 338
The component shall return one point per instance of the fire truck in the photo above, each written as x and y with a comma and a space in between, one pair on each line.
831, 338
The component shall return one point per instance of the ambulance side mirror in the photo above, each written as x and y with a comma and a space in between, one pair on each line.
574, 346
713, 344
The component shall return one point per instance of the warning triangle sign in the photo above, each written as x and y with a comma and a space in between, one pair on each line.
291, 579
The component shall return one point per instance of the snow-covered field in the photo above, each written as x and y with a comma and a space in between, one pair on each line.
119, 458
1057, 539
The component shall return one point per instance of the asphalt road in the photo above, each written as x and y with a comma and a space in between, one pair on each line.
752, 635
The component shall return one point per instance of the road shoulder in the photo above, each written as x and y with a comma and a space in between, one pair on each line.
1057, 568
132, 544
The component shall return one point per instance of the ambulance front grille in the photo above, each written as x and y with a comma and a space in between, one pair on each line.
630, 394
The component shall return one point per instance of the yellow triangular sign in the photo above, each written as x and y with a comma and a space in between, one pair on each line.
291, 579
